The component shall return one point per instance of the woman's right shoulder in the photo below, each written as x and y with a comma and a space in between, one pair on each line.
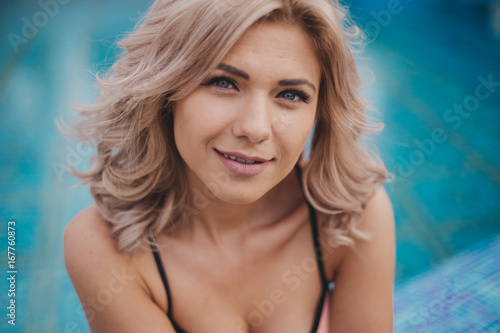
89, 247
112, 291
88, 233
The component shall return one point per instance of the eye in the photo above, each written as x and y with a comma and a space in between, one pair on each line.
221, 82
294, 96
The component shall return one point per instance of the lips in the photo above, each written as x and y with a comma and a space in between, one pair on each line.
242, 164
242, 158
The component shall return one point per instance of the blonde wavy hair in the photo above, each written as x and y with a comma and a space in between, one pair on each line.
137, 177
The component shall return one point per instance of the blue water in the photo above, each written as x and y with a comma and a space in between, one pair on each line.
425, 58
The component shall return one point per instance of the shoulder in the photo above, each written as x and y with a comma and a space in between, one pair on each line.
113, 293
365, 276
90, 251
378, 214
87, 234
105, 279
88, 243
85, 221
377, 221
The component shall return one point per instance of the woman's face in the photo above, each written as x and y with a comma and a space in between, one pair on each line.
242, 131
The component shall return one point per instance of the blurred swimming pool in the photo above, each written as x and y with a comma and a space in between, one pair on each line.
432, 61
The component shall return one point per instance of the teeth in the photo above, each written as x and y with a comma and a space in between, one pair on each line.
230, 156
241, 160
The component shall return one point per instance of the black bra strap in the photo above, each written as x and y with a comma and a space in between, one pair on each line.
315, 233
163, 276
159, 265
318, 312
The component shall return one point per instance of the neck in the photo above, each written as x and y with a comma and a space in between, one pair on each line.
226, 224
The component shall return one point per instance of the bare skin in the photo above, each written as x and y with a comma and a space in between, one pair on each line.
251, 244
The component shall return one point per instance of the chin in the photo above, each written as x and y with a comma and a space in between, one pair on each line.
240, 198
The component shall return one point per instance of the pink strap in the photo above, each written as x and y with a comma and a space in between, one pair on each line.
324, 322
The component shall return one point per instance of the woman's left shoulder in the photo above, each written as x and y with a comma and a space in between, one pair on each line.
364, 278
376, 220
378, 214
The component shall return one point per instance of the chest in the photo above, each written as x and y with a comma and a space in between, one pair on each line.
255, 298
274, 289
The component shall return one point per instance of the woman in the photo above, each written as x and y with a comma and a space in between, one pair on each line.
207, 217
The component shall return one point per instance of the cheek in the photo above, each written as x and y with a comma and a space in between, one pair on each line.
187, 116
294, 129
196, 122
185, 127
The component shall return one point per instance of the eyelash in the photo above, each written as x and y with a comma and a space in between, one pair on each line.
302, 95
212, 80
215, 79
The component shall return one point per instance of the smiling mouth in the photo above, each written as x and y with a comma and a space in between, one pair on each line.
241, 164
241, 160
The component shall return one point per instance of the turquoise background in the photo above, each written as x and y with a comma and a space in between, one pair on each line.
421, 58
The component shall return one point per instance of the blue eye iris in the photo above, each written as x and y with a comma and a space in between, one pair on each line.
295, 96
290, 96
222, 83
229, 86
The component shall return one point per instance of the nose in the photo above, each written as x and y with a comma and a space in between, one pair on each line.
254, 120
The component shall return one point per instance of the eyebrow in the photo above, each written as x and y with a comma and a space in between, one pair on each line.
296, 82
233, 70
246, 76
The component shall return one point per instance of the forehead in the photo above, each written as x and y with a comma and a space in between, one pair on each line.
275, 48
